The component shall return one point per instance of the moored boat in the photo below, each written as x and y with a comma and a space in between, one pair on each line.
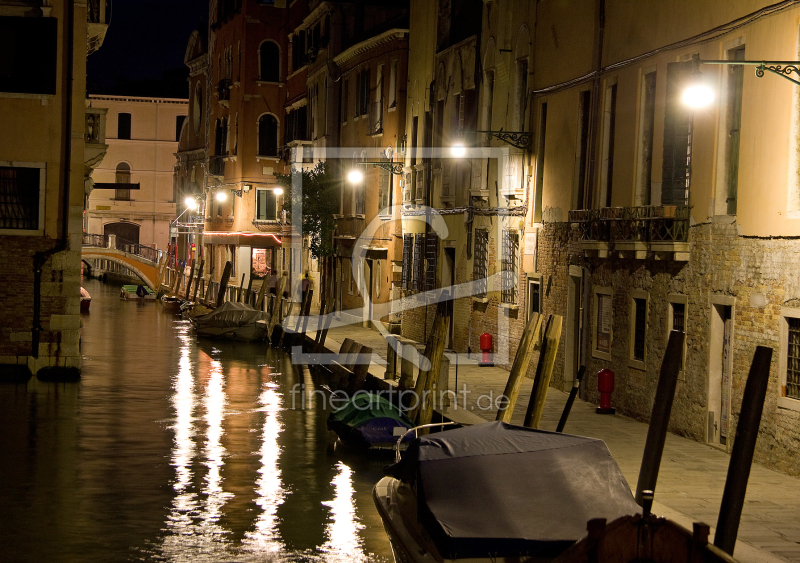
86, 300
171, 303
232, 321
140, 292
498, 492
369, 422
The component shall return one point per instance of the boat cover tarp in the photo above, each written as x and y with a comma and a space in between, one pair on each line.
497, 490
230, 315
367, 419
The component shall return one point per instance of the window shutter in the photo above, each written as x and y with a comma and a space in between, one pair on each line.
677, 139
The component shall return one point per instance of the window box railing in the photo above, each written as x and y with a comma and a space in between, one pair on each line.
642, 224
216, 164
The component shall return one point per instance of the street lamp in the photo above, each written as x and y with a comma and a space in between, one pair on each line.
355, 176
191, 202
700, 95
221, 195
277, 191
458, 150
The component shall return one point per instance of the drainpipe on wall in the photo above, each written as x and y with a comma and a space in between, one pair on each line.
41, 257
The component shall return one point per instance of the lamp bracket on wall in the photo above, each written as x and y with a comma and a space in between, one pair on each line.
784, 69
519, 139
393, 167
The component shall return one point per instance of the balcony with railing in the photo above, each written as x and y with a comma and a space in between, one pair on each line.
640, 230
216, 164
98, 13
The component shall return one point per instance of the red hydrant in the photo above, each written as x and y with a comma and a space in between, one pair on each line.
605, 384
486, 348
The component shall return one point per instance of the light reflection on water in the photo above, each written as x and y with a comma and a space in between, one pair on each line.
175, 450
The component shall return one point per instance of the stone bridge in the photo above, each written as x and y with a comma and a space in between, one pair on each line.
97, 246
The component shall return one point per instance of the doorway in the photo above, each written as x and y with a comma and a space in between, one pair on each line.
720, 370
572, 359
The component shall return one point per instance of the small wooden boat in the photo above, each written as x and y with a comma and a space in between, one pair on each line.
140, 292
496, 492
171, 303
233, 321
644, 537
86, 300
369, 422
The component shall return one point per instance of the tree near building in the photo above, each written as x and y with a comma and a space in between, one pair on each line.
317, 192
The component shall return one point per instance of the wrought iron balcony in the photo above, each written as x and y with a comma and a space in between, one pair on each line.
216, 165
642, 228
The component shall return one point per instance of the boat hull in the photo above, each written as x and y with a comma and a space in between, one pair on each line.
249, 333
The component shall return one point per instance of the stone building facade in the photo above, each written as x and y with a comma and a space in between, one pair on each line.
42, 174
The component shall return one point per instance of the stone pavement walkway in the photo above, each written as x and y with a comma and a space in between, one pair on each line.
691, 477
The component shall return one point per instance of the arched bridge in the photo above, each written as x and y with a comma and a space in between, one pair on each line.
142, 260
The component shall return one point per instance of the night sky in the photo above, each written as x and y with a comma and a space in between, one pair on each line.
142, 54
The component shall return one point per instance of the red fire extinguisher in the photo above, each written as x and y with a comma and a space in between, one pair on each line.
486, 348
605, 384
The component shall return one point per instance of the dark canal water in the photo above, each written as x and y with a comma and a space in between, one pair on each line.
174, 449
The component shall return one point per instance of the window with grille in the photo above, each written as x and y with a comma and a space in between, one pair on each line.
431, 252
19, 197
602, 341
793, 359
639, 328
508, 283
405, 279
480, 262
417, 263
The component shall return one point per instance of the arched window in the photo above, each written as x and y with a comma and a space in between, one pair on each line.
123, 173
267, 135
269, 62
123, 176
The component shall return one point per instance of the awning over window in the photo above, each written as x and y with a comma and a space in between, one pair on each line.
254, 240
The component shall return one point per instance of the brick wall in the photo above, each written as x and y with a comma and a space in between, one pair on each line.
722, 264
59, 304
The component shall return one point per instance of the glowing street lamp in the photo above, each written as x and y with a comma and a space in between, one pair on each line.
458, 150
355, 176
191, 202
698, 95
221, 195
277, 191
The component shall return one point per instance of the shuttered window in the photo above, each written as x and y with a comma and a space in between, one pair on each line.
405, 279
677, 163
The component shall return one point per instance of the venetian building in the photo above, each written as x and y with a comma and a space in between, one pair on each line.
43, 169
246, 93
658, 217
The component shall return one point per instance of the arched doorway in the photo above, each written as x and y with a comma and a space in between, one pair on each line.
126, 233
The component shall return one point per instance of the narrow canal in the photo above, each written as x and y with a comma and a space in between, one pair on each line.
176, 449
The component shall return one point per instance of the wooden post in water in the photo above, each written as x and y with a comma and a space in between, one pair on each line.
239, 291
161, 266
744, 445
223, 283
277, 308
530, 340
261, 291
189, 282
434, 350
659, 417
544, 369
197, 283
249, 291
